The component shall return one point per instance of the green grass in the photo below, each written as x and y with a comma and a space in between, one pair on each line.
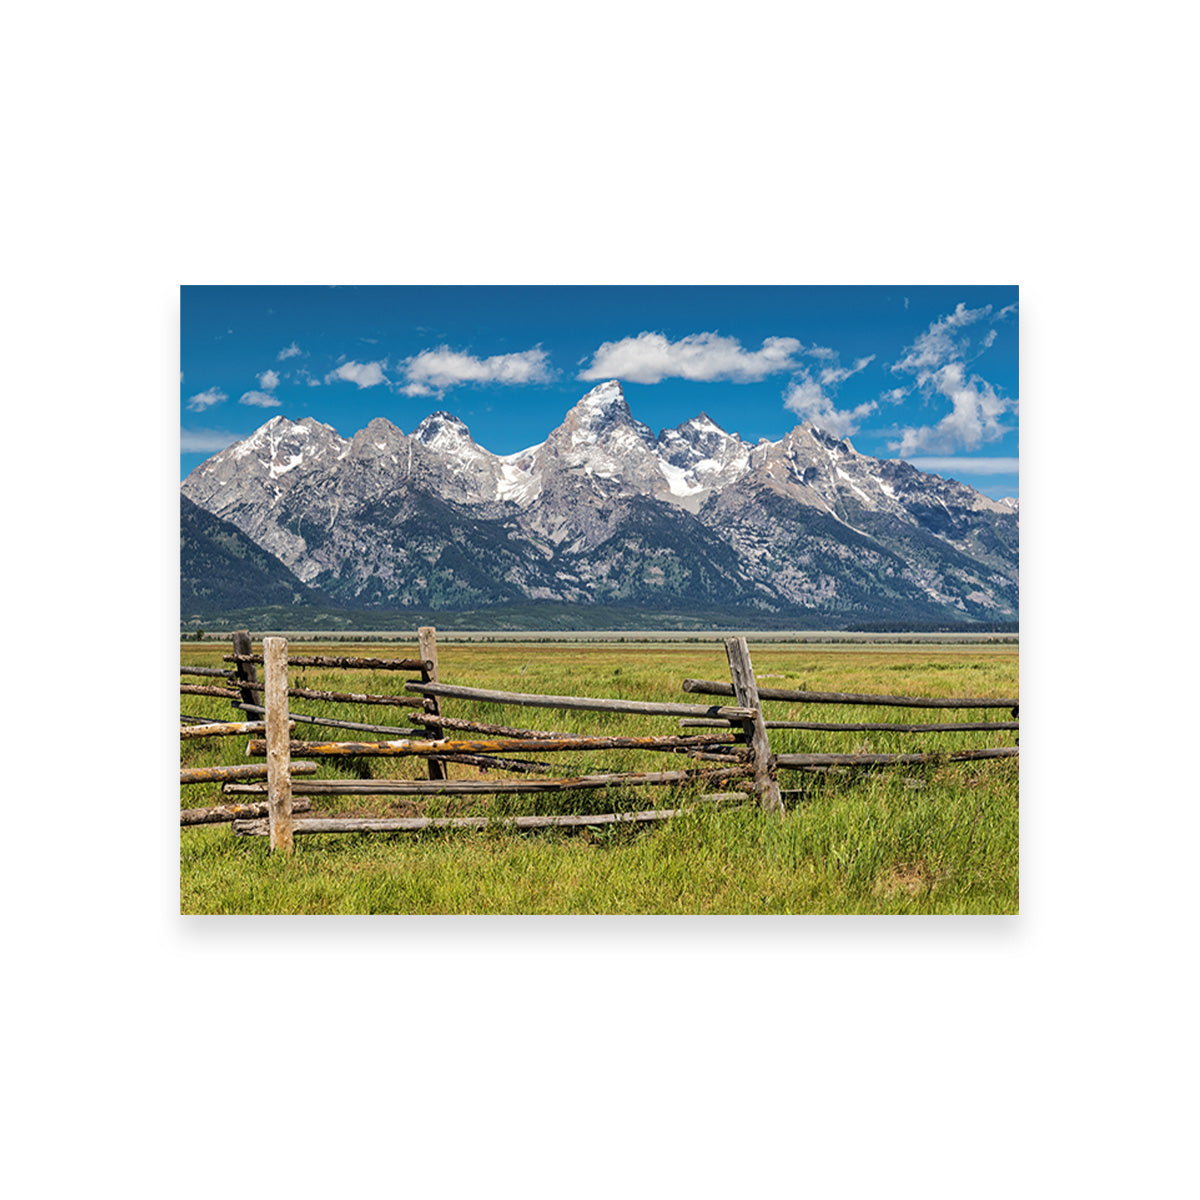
931, 839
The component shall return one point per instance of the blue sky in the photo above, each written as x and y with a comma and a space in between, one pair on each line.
928, 374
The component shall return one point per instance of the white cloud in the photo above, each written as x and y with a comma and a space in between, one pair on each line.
432, 371
974, 416
267, 380
202, 400
839, 373
941, 342
808, 400
650, 358
365, 375
938, 360
261, 400
288, 352
967, 466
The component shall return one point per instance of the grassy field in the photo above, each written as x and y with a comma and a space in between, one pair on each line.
929, 839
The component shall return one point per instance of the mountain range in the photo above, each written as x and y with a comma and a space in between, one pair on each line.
602, 513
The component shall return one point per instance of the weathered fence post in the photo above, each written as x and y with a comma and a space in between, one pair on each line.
279, 780
245, 670
427, 644
741, 672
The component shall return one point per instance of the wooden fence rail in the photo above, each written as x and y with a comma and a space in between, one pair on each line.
735, 739
714, 687
333, 723
228, 774
862, 727
487, 787
257, 747
583, 703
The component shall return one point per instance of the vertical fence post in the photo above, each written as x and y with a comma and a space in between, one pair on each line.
279, 779
245, 670
741, 672
427, 643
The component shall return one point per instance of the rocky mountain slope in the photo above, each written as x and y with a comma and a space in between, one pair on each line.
605, 512
220, 568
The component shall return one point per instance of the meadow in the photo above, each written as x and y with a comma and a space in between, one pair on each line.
931, 839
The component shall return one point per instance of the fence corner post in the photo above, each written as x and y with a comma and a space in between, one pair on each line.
741, 672
427, 644
279, 779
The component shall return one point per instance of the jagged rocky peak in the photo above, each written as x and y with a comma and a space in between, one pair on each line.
380, 437
443, 431
697, 438
281, 445
604, 408
605, 397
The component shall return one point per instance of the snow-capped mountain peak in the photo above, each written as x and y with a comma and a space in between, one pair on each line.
444, 431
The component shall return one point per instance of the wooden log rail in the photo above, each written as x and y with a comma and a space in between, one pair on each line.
416, 824
500, 730
332, 723
226, 729
227, 774
802, 761
258, 747
486, 787
862, 727
221, 813
714, 687
583, 703
205, 689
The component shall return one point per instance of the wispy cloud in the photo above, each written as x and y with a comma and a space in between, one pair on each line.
206, 399
808, 399
288, 352
365, 375
260, 400
839, 374
942, 342
938, 360
701, 357
433, 371
814, 399
268, 380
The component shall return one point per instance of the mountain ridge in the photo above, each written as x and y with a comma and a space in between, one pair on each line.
603, 510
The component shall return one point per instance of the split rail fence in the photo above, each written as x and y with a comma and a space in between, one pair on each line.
732, 739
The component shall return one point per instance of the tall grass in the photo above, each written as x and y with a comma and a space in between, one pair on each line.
931, 839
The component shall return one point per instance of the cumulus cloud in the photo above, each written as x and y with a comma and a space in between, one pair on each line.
651, 358
267, 380
261, 400
938, 361
807, 398
974, 416
288, 352
432, 371
206, 399
365, 375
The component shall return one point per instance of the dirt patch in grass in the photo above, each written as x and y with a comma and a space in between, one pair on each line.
910, 878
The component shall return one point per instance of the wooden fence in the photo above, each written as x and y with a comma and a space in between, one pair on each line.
733, 738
